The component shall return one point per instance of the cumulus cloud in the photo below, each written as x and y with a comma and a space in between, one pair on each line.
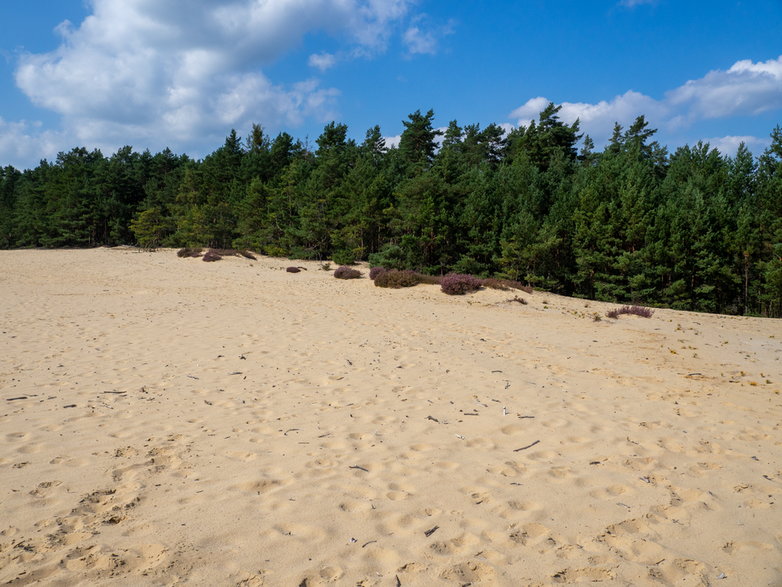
746, 88
22, 144
419, 41
182, 72
728, 145
422, 38
322, 61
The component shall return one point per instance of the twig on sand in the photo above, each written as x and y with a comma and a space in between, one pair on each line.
290, 430
367, 543
358, 467
526, 447
431, 531
433, 419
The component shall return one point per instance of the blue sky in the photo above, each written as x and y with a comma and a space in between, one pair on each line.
183, 73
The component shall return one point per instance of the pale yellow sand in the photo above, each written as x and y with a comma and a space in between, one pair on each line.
169, 421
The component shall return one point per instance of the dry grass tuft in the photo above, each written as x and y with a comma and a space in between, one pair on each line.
633, 310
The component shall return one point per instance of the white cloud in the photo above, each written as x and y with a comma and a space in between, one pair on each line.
729, 145
182, 72
322, 61
634, 3
745, 89
393, 141
23, 144
420, 42
421, 38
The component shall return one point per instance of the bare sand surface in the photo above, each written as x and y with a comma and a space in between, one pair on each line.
168, 421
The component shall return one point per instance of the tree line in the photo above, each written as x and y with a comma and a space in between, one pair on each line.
690, 230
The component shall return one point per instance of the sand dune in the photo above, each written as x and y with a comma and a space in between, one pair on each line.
169, 421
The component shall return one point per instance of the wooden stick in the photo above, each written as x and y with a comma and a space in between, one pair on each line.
526, 447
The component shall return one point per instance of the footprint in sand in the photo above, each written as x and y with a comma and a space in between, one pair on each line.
469, 573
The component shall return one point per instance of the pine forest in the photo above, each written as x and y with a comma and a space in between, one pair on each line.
633, 223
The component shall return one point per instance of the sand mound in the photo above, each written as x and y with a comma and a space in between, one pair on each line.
170, 421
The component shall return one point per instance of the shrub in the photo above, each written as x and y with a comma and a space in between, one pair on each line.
389, 256
505, 284
233, 253
375, 271
634, 310
395, 278
518, 300
456, 284
189, 252
430, 279
345, 272
493, 283
325, 266
293, 270
211, 256
344, 257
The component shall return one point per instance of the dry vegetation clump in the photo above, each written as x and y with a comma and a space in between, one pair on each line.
457, 284
518, 300
293, 270
505, 284
189, 252
211, 256
395, 278
634, 310
430, 279
375, 271
233, 253
345, 272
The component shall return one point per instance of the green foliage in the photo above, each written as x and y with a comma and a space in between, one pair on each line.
631, 224
150, 228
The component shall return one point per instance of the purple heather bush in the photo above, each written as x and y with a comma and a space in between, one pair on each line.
345, 272
375, 271
456, 284
211, 256
293, 270
634, 310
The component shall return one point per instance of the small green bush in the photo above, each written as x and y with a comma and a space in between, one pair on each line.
344, 258
389, 256
395, 278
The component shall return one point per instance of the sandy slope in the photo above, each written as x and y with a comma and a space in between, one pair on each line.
168, 421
